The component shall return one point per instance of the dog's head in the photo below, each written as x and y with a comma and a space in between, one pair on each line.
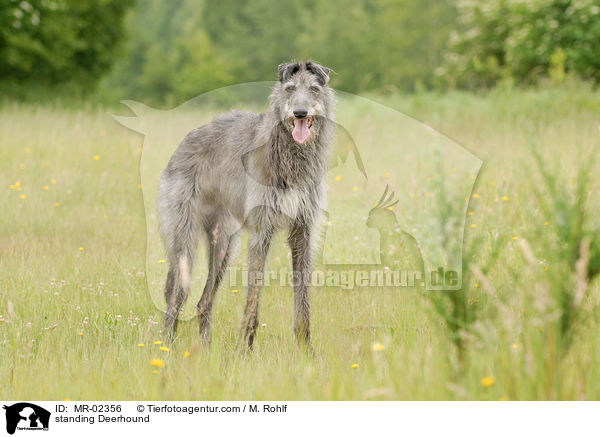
302, 99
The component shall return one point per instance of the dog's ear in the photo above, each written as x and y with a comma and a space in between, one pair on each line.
287, 70
321, 72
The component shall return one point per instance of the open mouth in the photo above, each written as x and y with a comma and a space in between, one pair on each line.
301, 131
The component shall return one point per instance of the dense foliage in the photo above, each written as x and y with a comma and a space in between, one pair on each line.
180, 49
174, 50
523, 40
45, 42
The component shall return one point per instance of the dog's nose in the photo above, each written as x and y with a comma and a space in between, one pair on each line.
300, 113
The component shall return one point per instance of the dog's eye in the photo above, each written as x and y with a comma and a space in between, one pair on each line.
314, 89
290, 88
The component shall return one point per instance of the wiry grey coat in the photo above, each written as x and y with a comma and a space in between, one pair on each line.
261, 171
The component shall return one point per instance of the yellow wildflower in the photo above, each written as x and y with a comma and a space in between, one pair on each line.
488, 381
157, 362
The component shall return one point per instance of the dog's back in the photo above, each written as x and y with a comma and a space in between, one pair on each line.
207, 168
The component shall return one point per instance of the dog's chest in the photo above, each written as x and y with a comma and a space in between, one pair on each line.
276, 204
289, 202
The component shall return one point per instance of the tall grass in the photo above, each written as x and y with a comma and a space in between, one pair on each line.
574, 239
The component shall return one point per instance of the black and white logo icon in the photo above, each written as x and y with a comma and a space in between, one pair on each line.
26, 416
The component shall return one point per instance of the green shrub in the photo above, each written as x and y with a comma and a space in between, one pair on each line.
523, 40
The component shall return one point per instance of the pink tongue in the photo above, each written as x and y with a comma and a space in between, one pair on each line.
301, 131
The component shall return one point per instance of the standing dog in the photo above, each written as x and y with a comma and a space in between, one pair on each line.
261, 171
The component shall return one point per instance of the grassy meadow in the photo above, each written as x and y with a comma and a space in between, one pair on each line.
77, 320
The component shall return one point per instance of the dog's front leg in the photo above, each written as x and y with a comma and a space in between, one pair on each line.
257, 254
299, 241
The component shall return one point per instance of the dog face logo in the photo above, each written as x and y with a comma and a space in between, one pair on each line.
26, 416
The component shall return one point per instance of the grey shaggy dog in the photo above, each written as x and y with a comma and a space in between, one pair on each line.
264, 172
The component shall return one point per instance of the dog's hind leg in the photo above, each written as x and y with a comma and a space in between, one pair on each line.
182, 252
221, 245
177, 290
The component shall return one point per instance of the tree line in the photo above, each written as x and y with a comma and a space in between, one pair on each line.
166, 51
